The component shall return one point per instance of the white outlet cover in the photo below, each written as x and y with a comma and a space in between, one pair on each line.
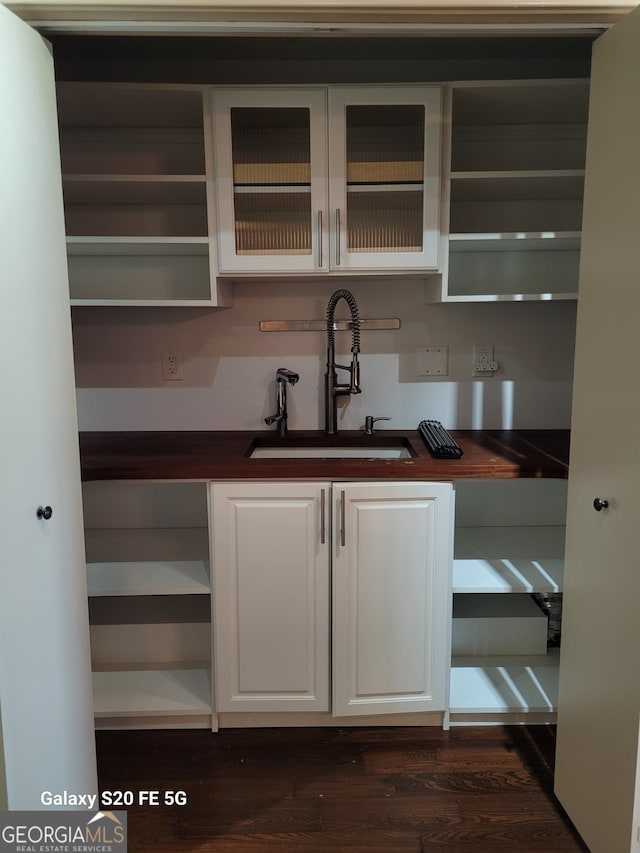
433, 361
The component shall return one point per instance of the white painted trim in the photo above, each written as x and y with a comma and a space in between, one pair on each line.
359, 16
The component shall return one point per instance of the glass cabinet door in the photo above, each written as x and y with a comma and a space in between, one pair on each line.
384, 156
271, 180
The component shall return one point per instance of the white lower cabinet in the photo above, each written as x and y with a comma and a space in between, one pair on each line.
271, 596
349, 578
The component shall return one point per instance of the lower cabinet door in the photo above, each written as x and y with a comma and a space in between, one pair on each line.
270, 547
392, 554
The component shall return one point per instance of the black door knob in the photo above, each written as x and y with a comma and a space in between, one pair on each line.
600, 504
45, 512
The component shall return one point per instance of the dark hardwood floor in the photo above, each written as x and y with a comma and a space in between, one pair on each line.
312, 790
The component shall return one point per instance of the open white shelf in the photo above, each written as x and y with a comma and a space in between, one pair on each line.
137, 192
516, 180
148, 579
168, 692
504, 684
140, 544
107, 246
509, 545
498, 559
518, 184
102, 189
177, 577
552, 241
139, 270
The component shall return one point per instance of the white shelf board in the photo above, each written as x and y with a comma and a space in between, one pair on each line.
132, 178
271, 189
545, 185
134, 189
502, 684
158, 577
512, 297
539, 241
119, 246
143, 544
151, 692
144, 303
508, 559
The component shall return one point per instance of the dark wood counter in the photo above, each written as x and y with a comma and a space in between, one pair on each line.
488, 454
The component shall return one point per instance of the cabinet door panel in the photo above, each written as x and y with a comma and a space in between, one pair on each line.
391, 597
271, 179
271, 594
384, 167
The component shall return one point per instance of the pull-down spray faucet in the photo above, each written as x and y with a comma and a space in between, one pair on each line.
332, 388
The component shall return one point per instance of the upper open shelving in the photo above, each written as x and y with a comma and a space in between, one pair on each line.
137, 189
516, 175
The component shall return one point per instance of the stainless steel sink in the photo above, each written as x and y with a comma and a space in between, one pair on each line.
392, 452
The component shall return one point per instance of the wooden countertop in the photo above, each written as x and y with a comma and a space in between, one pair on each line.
156, 455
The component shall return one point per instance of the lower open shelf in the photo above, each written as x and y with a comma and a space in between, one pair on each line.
505, 684
152, 694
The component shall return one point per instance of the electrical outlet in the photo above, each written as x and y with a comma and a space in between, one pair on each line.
171, 364
484, 363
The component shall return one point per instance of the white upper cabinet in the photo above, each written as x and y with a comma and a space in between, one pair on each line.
317, 181
137, 194
515, 161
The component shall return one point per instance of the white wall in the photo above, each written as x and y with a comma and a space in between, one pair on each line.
229, 365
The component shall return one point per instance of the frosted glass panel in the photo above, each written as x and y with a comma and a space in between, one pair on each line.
385, 178
272, 180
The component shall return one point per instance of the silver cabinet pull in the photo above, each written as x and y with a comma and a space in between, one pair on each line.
343, 518
320, 238
337, 236
322, 517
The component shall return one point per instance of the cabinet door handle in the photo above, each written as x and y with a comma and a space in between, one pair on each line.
322, 518
343, 518
337, 236
320, 251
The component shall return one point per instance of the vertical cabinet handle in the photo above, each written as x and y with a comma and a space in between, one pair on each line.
322, 518
319, 238
343, 517
337, 236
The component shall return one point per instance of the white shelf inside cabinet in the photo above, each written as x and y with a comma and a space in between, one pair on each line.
151, 693
509, 559
99, 189
178, 577
513, 266
503, 684
134, 561
542, 241
139, 270
517, 184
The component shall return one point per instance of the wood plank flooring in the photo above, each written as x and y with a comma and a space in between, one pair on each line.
359, 790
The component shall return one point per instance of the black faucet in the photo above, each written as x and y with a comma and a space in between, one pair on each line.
283, 375
333, 389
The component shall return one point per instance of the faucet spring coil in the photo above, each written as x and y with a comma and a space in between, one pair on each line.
355, 318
